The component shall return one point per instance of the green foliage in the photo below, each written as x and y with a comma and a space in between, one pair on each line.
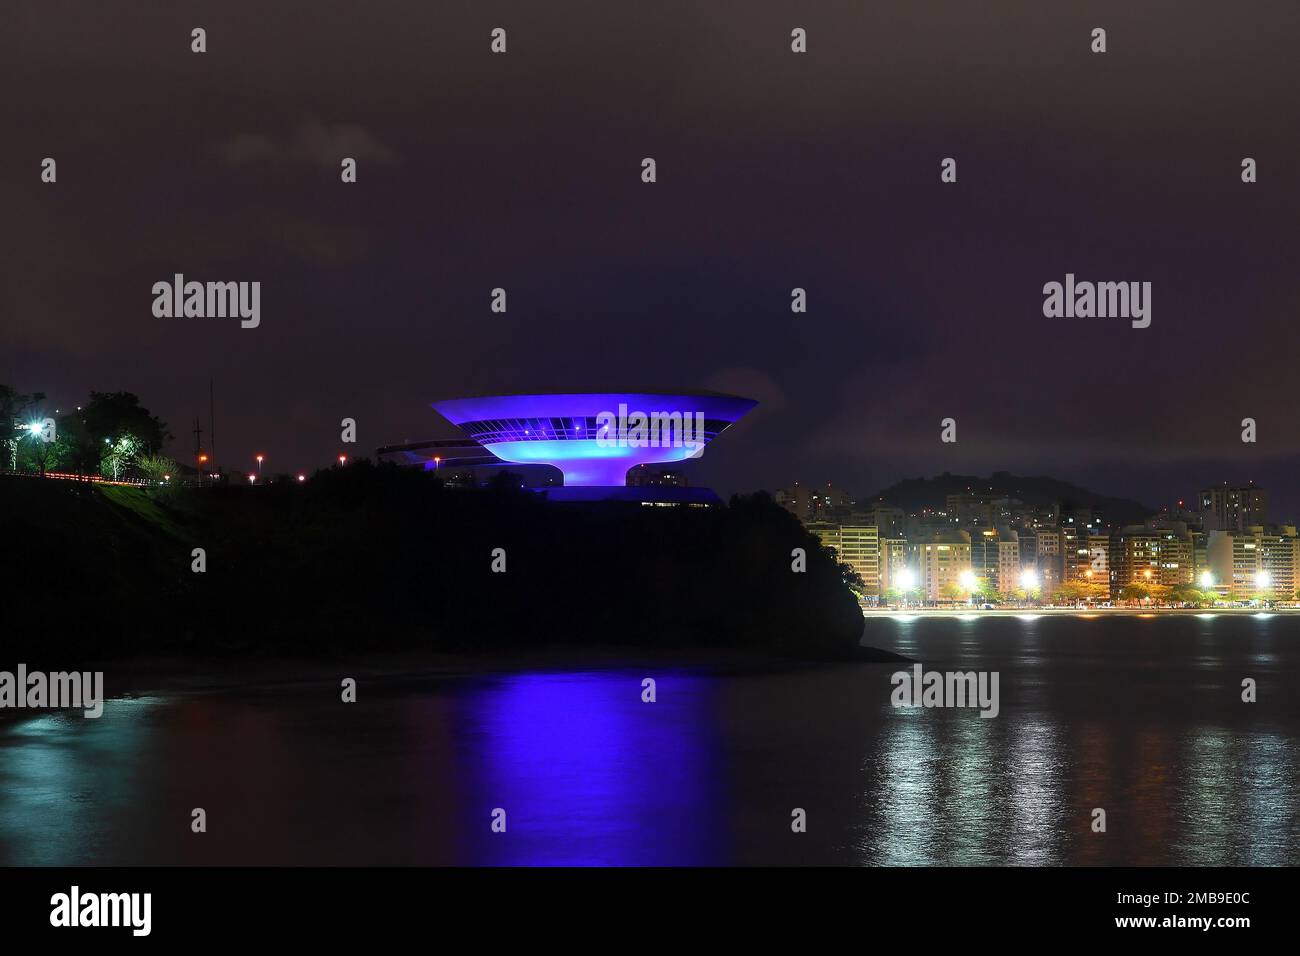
1134, 592
103, 437
116, 415
16, 412
118, 456
1190, 594
156, 467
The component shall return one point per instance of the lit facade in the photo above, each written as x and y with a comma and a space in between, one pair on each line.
1233, 509
594, 438
942, 561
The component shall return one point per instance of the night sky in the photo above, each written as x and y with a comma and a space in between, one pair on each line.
775, 170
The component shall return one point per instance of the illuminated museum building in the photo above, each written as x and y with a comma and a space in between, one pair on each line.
591, 439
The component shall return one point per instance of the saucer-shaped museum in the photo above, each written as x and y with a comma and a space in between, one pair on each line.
593, 438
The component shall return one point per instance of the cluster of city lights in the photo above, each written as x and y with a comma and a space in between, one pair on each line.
38, 429
905, 579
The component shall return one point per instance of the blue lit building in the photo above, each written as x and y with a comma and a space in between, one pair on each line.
593, 439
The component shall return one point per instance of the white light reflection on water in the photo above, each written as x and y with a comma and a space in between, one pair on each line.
63, 776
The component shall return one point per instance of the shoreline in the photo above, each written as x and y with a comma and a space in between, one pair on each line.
967, 613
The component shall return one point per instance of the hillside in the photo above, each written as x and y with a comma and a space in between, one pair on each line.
381, 557
913, 494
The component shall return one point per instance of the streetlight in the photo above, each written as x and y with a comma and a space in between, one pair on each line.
252, 479
967, 580
1263, 580
342, 460
1207, 580
906, 580
302, 477
437, 460
259, 464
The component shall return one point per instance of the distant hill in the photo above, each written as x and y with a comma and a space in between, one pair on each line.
913, 494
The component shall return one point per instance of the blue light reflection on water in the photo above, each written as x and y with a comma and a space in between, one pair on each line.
1141, 717
589, 774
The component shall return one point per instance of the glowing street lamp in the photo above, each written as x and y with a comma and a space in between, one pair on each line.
302, 477
1263, 580
342, 460
1029, 579
252, 479
1207, 580
259, 463
967, 579
905, 581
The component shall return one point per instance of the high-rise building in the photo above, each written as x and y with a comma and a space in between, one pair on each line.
984, 555
858, 546
1278, 553
1051, 558
1074, 551
1098, 570
1028, 548
828, 532
1233, 509
943, 557
1264, 563
1150, 556
893, 558
995, 558
860, 549
1200, 554
1245, 566
1219, 556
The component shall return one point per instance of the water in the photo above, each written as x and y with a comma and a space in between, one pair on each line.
1140, 717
